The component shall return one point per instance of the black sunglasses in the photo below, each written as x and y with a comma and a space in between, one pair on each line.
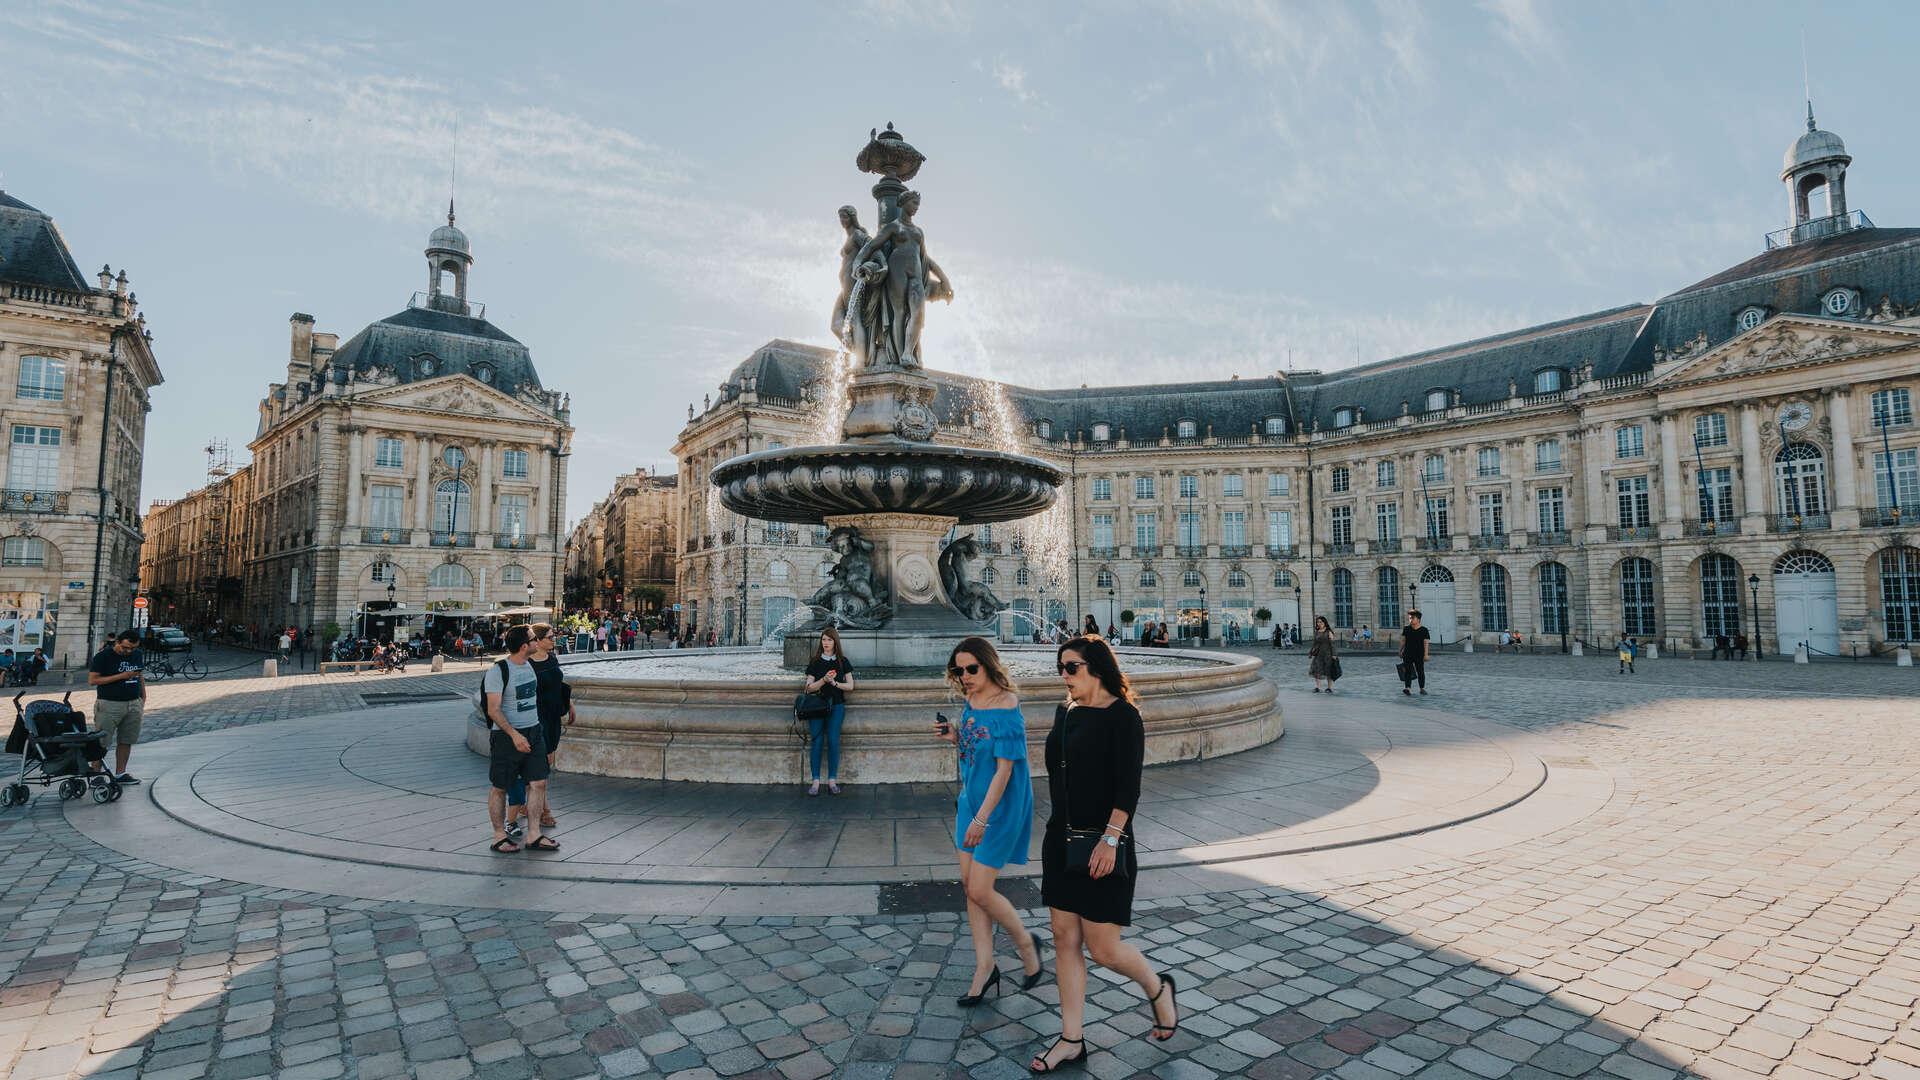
958, 669
1071, 667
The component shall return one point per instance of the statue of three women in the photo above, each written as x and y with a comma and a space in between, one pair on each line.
886, 281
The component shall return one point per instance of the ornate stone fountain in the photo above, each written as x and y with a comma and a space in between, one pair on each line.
888, 492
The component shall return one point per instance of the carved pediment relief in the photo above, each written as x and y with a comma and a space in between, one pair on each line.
1779, 344
457, 394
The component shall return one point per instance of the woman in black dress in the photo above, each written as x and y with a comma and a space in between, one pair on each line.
1320, 655
1094, 757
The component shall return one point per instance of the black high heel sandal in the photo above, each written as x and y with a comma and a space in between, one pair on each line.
970, 1000
1173, 999
1028, 982
1078, 1061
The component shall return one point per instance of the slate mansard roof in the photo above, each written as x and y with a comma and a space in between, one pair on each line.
458, 344
1880, 267
32, 251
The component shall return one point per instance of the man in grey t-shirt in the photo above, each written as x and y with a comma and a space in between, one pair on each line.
511, 689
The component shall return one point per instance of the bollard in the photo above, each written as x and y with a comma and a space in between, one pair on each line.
439, 662
1903, 657
1577, 650
1800, 653
1653, 650
1466, 643
269, 669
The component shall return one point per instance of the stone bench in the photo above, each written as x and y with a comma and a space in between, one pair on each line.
355, 666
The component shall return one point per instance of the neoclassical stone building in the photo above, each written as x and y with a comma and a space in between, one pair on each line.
1737, 456
621, 555
423, 454
76, 368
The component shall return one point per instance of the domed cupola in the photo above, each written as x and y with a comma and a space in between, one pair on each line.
448, 259
1816, 160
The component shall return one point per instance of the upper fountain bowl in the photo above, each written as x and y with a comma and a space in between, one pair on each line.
808, 484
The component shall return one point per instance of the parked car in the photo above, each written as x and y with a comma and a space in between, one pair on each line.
167, 639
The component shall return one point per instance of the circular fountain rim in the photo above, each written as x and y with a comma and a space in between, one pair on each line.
1205, 664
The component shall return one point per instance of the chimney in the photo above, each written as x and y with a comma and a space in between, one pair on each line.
300, 351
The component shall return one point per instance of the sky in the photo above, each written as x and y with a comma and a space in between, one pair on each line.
1127, 192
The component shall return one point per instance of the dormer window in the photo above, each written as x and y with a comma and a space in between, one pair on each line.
483, 372
1437, 400
1043, 428
1549, 380
1276, 425
1102, 432
1187, 429
1751, 317
1343, 416
1838, 302
425, 366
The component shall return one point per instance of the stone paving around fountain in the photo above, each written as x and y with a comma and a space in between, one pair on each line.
1729, 890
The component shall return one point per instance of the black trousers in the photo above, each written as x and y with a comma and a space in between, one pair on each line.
1418, 668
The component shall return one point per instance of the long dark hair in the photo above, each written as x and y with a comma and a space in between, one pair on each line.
982, 650
838, 649
1320, 621
1101, 664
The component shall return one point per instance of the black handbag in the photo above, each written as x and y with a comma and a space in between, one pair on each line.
1404, 670
812, 706
1080, 842
1333, 669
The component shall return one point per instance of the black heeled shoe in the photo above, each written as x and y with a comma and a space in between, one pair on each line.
1078, 1061
970, 1000
1028, 982
1173, 1000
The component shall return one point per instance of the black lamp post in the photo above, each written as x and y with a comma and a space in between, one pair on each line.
1203, 614
1113, 609
529, 592
1296, 609
1753, 586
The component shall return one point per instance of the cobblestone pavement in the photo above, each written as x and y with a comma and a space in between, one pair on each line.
1744, 905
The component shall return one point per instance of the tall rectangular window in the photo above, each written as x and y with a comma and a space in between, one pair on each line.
1437, 527
1546, 455
34, 463
1189, 528
1493, 514
1103, 530
1386, 522
1629, 441
1384, 475
1489, 461
513, 465
1716, 495
1553, 509
1342, 597
1710, 430
1635, 513
1904, 479
1189, 487
1278, 485
42, 378
1342, 479
1343, 525
1433, 470
1143, 487
1279, 528
513, 515
389, 454
1233, 486
1102, 489
1233, 528
386, 508
1146, 531
1891, 408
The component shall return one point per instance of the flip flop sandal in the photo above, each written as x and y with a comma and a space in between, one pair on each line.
504, 846
543, 843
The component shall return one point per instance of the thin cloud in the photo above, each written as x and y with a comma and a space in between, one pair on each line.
1521, 24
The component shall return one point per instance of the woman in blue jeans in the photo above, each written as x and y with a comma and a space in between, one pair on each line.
830, 675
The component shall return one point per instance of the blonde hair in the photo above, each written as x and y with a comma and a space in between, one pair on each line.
541, 630
982, 650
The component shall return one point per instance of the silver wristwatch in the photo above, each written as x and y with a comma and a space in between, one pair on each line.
1111, 840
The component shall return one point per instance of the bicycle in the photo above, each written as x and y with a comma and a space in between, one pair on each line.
189, 668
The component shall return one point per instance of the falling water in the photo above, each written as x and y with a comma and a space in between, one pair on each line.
1048, 535
798, 617
830, 412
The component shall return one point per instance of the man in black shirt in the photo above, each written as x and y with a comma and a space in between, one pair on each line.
1415, 650
121, 698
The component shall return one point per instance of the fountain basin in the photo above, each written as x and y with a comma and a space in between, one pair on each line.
808, 484
726, 715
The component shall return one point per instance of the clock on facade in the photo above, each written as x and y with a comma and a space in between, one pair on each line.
1795, 415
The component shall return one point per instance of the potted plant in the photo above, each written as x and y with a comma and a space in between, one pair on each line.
1126, 617
1262, 616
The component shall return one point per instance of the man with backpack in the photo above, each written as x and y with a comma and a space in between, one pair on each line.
510, 695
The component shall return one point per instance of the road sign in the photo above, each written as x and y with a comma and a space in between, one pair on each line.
139, 603
140, 619
76, 584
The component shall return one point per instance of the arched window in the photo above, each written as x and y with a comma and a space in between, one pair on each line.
452, 507
1276, 425
1435, 574
1343, 597
1022, 577
1386, 589
1751, 317
450, 576
513, 574
1636, 597
1493, 597
1719, 595
1554, 601
1900, 593
1190, 579
987, 575
23, 551
1103, 580
1187, 429
1102, 432
1282, 579
1149, 580
1548, 380
1236, 579
1803, 562
778, 572
1437, 400
1800, 480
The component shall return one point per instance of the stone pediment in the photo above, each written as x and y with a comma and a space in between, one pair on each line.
456, 394
1785, 342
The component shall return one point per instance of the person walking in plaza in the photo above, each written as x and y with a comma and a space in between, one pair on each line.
993, 822
511, 692
1321, 661
1627, 650
556, 713
1416, 648
120, 700
1094, 755
829, 674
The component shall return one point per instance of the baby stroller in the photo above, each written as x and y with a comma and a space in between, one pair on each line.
55, 746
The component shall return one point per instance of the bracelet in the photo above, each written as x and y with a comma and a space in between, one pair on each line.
980, 823
1115, 828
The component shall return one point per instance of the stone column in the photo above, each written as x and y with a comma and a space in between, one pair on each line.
483, 505
355, 436
423, 466
1593, 450
1519, 521
1670, 486
1846, 492
543, 484
1753, 472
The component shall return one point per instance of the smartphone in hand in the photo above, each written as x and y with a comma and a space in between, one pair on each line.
941, 724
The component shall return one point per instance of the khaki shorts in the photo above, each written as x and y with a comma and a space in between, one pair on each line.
119, 721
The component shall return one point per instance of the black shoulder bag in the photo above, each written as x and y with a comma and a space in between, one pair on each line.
1080, 842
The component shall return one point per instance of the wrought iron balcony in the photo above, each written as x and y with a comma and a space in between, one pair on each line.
779, 537
452, 539
1190, 551
820, 538
1782, 523
1433, 543
1282, 551
1815, 228
1632, 532
376, 535
1103, 553
513, 541
1553, 539
1235, 551
1340, 549
992, 547
33, 502
1710, 528
1882, 517
1488, 542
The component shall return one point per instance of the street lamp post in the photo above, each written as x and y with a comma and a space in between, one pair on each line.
1753, 587
1203, 615
1113, 609
1296, 609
